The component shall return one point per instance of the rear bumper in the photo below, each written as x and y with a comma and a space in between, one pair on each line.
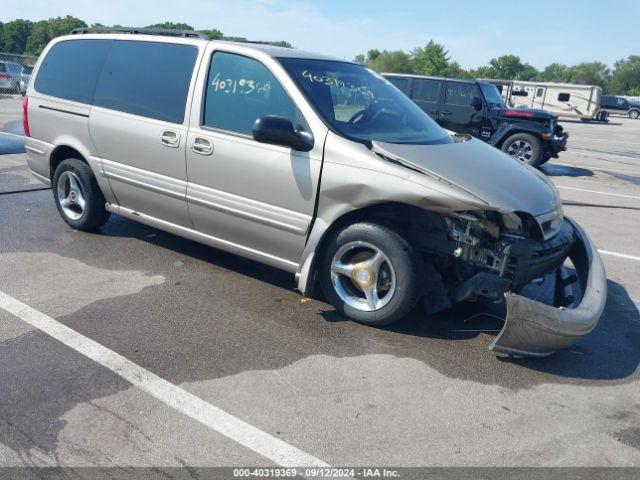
535, 329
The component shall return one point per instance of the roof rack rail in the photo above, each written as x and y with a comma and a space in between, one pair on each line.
142, 31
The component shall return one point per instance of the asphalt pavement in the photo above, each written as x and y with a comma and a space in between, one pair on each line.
236, 336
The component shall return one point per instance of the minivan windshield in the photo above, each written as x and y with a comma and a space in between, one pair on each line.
491, 94
361, 105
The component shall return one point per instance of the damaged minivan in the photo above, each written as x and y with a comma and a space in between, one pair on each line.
313, 165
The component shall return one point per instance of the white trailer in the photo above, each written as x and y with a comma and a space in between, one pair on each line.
563, 99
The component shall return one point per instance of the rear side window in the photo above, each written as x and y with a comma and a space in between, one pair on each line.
147, 78
241, 89
426, 91
401, 84
563, 97
71, 68
460, 94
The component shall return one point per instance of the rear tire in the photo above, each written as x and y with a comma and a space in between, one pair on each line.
524, 147
351, 277
77, 195
634, 114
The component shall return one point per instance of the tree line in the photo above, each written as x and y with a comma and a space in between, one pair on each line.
29, 38
25, 37
434, 59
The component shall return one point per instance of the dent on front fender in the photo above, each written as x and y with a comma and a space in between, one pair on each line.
534, 329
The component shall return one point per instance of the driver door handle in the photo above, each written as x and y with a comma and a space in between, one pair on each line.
170, 138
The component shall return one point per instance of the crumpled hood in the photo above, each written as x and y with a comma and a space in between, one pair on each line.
480, 169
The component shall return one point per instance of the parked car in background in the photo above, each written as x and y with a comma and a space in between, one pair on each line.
10, 77
25, 76
476, 108
620, 106
563, 99
310, 164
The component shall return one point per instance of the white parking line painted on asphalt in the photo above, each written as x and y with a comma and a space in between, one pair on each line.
620, 255
598, 192
209, 415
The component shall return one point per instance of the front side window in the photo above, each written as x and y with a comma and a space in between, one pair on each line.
426, 91
150, 79
492, 94
460, 94
361, 105
71, 68
240, 90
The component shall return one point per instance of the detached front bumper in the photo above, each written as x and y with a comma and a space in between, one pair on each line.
535, 329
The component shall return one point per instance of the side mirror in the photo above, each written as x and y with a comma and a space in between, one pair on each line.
280, 131
476, 103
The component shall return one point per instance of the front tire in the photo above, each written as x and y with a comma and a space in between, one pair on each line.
369, 273
77, 195
634, 114
524, 147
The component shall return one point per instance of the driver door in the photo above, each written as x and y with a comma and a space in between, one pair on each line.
257, 198
456, 112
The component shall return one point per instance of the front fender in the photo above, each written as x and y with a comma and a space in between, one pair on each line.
506, 129
534, 329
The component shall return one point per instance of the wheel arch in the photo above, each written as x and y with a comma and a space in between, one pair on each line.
63, 152
396, 215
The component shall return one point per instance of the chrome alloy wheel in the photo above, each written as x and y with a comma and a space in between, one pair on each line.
71, 195
362, 276
521, 149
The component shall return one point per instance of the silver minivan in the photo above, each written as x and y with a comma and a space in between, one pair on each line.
313, 165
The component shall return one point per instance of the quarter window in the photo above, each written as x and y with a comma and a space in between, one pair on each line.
459, 94
71, 68
149, 79
563, 97
240, 90
426, 91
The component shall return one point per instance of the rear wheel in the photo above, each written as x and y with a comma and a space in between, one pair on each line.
369, 273
634, 114
77, 195
524, 147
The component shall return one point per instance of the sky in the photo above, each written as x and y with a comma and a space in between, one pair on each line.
540, 32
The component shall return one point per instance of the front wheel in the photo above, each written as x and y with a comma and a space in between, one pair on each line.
77, 195
634, 114
369, 273
524, 147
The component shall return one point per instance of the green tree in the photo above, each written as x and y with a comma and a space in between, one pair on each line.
396, 62
625, 79
433, 59
528, 72
556, 72
63, 25
15, 34
589, 73
1, 37
506, 67
38, 37
213, 33
171, 25
360, 58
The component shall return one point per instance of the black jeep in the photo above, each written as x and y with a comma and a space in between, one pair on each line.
476, 107
619, 105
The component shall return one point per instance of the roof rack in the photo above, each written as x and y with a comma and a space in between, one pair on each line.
142, 31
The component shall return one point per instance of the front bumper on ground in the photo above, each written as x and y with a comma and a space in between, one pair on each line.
535, 329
